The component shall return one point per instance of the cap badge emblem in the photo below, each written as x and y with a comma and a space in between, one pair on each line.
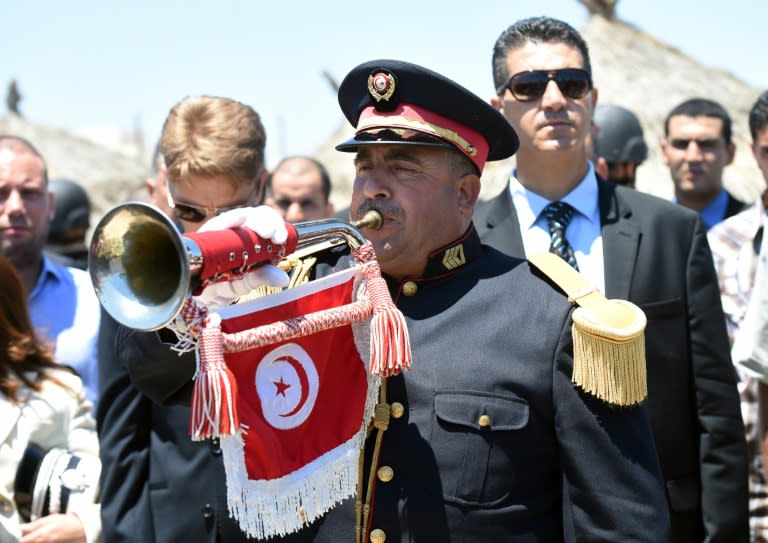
381, 86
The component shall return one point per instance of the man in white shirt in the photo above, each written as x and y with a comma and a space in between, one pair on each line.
740, 251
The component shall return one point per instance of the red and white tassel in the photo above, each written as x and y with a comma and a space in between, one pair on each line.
214, 394
390, 344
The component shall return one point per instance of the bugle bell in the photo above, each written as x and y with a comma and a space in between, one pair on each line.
143, 269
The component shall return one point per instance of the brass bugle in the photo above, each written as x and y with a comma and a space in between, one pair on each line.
311, 242
143, 269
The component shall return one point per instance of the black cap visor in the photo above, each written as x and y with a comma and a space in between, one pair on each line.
389, 137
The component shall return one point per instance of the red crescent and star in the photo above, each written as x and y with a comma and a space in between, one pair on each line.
281, 386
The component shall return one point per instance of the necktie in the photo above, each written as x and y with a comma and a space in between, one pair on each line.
558, 215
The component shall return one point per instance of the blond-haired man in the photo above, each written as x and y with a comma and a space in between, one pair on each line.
158, 484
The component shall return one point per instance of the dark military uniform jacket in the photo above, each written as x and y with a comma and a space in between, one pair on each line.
494, 442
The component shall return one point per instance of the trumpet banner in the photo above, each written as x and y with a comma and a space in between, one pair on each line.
304, 405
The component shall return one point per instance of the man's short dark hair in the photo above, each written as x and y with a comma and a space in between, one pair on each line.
535, 30
758, 115
325, 178
461, 165
702, 107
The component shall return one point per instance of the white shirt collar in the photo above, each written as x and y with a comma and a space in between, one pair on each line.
583, 198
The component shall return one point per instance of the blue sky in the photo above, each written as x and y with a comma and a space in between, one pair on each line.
82, 64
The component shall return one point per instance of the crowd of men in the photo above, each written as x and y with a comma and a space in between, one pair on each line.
490, 435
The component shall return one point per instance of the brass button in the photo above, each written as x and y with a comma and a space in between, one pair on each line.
385, 474
378, 536
410, 288
397, 409
484, 421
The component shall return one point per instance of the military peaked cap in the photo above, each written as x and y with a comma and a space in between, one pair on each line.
390, 101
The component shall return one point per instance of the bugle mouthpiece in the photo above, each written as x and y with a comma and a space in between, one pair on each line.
371, 220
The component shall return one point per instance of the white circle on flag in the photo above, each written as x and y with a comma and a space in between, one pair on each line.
287, 385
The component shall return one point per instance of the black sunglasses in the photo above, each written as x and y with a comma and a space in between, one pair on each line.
193, 213
530, 85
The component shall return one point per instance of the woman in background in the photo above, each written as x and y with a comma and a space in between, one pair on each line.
44, 404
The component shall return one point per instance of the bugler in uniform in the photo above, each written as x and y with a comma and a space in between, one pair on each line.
488, 437
499, 432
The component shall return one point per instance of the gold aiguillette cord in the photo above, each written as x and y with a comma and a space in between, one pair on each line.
380, 423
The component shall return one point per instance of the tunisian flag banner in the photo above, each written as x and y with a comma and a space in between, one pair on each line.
304, 405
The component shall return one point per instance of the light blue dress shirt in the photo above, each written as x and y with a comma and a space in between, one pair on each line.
583, 232
65, 310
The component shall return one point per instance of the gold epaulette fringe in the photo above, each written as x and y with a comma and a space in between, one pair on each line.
609, 362
608, 337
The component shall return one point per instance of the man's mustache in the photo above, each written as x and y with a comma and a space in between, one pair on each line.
387, 212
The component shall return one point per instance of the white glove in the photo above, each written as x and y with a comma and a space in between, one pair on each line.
222, 294
265, 221
268, 224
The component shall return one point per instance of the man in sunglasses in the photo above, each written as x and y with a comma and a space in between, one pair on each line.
697, 147
157, 484
633, 246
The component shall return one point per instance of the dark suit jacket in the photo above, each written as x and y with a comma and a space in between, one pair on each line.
734, 206
157, 485
656, 255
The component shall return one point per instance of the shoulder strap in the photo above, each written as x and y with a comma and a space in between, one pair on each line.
608, 336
